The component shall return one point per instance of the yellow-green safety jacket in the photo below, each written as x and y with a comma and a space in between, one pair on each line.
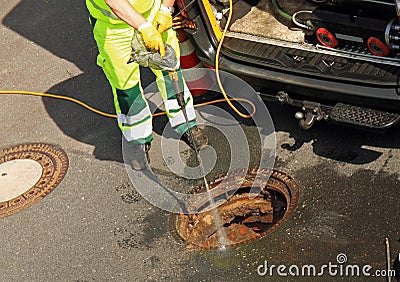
100, 10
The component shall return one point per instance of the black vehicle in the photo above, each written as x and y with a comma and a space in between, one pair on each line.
337, 60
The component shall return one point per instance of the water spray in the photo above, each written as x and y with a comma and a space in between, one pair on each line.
181, 102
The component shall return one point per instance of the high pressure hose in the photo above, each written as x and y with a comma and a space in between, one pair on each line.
61, 97
99, 112
304, 25
217, 67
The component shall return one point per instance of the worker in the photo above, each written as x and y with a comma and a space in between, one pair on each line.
114, 23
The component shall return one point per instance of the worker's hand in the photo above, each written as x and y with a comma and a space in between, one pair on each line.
163, 19
152, 38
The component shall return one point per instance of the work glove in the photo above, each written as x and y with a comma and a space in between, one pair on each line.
152, 38
163, 19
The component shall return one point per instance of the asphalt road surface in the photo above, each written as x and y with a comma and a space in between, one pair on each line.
96, 227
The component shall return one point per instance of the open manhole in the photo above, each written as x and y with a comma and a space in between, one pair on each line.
29, 172
244, 217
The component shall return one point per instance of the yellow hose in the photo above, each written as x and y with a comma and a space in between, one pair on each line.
55, 96
49, 95
217, 68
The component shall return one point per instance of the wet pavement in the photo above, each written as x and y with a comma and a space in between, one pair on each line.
96, 227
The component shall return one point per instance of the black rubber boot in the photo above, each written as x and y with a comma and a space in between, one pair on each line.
200, 138
139, 156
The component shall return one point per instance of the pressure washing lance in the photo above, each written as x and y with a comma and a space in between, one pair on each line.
170, 63
179, 94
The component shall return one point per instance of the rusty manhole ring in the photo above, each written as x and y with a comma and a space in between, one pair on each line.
243, 218
28, 172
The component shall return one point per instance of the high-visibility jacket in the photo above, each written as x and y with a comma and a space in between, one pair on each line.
113, 38
100, 10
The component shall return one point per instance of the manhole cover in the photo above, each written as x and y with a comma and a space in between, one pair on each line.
243, 217
29, 172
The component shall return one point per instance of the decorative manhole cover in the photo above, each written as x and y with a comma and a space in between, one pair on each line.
245, 216
29, 172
